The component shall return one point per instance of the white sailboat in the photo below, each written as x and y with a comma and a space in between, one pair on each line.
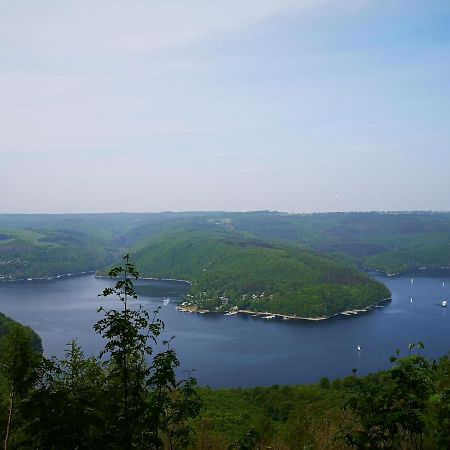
412, 300
359, 348
444, 303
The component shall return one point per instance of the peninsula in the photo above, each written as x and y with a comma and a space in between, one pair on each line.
233, 273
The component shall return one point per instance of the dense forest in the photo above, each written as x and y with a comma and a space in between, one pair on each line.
128, 397
36, 245
7, 325
230, 271
392, 242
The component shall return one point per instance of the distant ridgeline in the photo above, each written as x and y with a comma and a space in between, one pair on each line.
7, 325
231, 272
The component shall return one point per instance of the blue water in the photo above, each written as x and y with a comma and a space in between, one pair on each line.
231, 351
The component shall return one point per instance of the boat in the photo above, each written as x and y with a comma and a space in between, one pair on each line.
444, 303
271, 316
359, 348
412, 280
166, 300
412, 300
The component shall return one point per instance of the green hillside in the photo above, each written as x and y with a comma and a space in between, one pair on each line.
390, 242
229, 271
34, 246
7, 325
26, 253
47, 245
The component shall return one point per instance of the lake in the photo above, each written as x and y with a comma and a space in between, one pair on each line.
232, 351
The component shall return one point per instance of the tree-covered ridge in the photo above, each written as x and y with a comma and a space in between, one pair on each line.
229, 271
27, 253
7, 325
47, 245
36, 245
390, 242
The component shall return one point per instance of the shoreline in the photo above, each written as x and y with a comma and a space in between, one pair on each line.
149, 279
90, 272
165, 279
48, 278
80, 274
404, 272
269, 315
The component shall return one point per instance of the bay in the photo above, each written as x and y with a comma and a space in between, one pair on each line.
242, 351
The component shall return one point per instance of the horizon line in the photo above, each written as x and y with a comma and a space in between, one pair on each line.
212, 211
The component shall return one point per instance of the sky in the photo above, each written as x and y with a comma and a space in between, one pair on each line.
288, 105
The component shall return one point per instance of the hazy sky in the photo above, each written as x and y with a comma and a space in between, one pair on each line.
293, 105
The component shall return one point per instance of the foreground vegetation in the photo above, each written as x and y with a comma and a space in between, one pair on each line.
83, 403
126, 398
406, 407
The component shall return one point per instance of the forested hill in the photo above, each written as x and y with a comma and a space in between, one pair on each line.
392, 242
230, 271
36, 245
7, 325
48, 245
